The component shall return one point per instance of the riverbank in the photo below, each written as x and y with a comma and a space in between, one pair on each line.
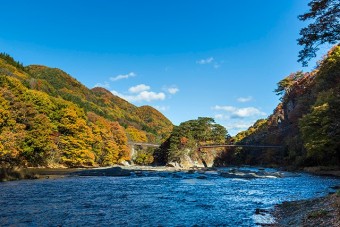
10, 174
323, 171
324, 211
52, 173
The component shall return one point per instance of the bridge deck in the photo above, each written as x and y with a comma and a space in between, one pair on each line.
210, 146
241, 145
144, 144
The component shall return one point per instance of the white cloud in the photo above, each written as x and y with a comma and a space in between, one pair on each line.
140, 93
205, 61
226, 108
173, 90
237, 119
210, 61
139, 88
162, 108
245, 99
123, 76
247, 112
239, 125
149, 96
104, 85
236, 112
221, 117
235, 127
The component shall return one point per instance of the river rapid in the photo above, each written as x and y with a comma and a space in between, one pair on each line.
154, 199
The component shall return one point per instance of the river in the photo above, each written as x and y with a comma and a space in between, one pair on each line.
155, 199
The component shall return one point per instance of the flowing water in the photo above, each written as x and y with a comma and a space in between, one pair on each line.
158, 199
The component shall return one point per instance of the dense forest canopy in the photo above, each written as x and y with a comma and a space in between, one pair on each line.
47, 118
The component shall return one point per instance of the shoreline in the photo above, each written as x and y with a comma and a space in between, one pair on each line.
323, 211
119, 170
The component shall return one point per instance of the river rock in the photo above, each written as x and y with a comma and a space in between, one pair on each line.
176, 176
124, 163
337, 187
111, 172
246, 174
191, 171
173, 164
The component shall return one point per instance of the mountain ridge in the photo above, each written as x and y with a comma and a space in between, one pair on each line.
83, 126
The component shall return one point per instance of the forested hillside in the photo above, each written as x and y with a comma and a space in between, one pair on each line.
306, 122
48, 118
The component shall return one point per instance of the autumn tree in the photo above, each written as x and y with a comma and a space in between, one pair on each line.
110, 141
136, 135
12, 134
191, 134
325, 27
284, 85
76, 138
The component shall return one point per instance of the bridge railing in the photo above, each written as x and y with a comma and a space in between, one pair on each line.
144, 144
241, 145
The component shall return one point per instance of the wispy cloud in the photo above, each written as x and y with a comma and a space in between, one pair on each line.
205, 61
235, 112
237, 119
210, 61
123, 76
140, 93
221, 117
162, 108
245, 99
239, 125
171, 90
104, 85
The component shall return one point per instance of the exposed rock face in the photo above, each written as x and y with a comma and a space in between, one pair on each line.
186, 162
197, 160
173, 164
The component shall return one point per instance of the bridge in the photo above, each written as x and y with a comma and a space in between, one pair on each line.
240, 145
143, 144
210, 146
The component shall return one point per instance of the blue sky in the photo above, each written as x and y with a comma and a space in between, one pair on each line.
188, 58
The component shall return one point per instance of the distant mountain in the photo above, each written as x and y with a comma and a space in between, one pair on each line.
306, 122
81, 126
